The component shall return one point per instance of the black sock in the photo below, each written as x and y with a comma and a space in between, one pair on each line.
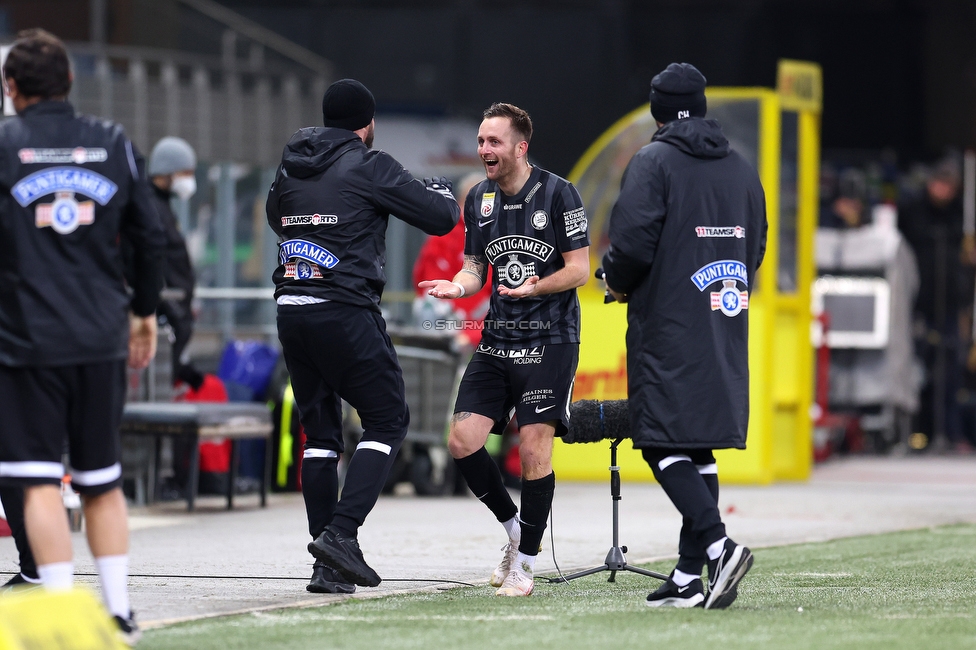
485, 480
365, 478
13, 504
320, 487
691, 554
536, 504
691, 495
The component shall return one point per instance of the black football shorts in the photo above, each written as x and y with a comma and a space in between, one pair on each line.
536, 384
41, 408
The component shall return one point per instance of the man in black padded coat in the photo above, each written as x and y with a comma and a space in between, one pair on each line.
687, 234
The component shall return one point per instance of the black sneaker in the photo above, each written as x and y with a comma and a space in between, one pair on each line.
725, 573
326, 580
343, 554
129, 633
20, 582
671, 595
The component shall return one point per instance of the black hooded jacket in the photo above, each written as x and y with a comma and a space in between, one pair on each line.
330, 204
687, 234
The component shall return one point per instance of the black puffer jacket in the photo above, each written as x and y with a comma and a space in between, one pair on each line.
687, 235
330, 204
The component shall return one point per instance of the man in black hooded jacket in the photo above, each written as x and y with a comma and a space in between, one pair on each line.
330, 204
687, 234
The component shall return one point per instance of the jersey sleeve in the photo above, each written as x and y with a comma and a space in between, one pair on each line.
143, 230
474, 243
569, 220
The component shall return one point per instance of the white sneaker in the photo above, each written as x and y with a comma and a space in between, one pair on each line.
505, 566
519, 582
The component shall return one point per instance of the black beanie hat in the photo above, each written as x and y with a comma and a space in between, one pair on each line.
348, 104
677, 93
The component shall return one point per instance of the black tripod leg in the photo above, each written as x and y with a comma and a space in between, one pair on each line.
613, 576
579, 574
645, 572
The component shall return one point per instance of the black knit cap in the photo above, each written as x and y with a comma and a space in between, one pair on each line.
348, 104
677, 93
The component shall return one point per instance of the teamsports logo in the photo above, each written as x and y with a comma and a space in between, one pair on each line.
729, 300
63, 179
308, 251
65, 214
707, 231
78, 156
302, 270
309, 220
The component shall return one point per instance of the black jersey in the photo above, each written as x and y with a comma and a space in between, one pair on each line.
522, 236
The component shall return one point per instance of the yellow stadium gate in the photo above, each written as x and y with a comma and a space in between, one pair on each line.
778, 131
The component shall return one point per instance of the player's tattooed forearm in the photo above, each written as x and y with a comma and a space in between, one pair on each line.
457, 417
476, 265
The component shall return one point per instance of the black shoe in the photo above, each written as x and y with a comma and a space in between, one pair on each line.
129, 633
671, 595
343, 554
725, 573
20, 581
326, 580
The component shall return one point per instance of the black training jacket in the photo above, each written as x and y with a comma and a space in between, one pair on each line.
330, 203
686, 237
70, 185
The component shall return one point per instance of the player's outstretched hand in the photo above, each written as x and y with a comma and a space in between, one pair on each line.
441, 289
527, 289
441, 185
142, 340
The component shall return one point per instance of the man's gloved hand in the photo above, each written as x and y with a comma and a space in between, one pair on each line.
442, 185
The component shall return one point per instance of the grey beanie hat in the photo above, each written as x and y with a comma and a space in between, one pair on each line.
171, 155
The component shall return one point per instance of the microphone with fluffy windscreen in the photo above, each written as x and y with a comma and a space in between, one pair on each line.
593, 421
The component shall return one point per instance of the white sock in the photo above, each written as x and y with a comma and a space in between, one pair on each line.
113, 574
513, 528
681, 578
521, 560
715, 549
57, 576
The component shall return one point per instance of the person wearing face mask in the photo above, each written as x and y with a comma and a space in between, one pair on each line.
172, 169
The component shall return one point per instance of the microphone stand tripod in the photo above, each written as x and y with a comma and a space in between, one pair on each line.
615, 557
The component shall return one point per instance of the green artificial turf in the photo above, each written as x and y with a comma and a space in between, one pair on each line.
913, 589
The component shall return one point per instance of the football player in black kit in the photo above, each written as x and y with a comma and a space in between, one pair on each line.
531, 226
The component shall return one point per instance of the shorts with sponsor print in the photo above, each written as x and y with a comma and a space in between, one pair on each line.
536, 384
44, 407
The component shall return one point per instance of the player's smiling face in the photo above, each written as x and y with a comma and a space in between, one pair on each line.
499, 148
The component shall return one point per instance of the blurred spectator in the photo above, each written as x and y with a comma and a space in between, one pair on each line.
847, 205
442, 257
933, 226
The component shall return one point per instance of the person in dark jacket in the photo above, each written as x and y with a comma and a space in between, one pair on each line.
687, 234
172, 169
70, 187
330, 203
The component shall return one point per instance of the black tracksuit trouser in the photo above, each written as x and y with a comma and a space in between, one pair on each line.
337, 351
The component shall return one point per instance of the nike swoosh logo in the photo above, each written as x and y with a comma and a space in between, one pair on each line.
540, 410
682, 590
482, 224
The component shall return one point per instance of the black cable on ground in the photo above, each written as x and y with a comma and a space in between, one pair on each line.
208, 577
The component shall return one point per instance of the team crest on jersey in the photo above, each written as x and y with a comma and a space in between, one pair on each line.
294, 250
302, 270
539, 220
63, 179
65, 214
487, 204
729, 300
310, 220
514, 272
